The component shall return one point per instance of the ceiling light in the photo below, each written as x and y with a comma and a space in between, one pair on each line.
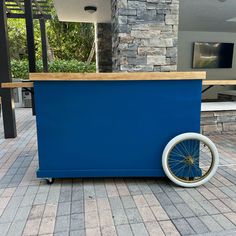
90, 9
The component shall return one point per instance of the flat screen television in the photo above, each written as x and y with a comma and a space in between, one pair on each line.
212, 55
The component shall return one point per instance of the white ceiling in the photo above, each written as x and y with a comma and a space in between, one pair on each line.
195, 15
207, 15
73, 10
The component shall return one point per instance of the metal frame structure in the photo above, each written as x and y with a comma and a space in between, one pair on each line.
16, 9
28, 10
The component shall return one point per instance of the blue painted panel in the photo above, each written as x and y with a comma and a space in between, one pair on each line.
116, 128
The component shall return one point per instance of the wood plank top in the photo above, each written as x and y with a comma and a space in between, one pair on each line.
31, 84
219, 82
117, 76
17, 85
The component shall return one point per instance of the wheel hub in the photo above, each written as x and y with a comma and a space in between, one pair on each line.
189, 160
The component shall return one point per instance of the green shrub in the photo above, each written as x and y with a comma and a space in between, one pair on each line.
20, 69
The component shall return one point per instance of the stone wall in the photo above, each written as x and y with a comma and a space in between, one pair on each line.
218, 122
103, 47
144, 35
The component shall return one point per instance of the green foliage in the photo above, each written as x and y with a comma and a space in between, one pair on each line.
66, 41
70, 40
17, 38
19, 68
71, 66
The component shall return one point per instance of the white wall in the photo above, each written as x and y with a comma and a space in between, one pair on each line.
185, 56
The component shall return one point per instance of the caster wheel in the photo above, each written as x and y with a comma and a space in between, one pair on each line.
49, 180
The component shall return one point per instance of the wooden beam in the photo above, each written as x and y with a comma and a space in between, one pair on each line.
118, 76
219, 82
17, 85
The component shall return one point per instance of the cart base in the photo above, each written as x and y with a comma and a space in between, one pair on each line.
99, 173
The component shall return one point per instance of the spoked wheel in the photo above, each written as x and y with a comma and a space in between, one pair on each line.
190, 159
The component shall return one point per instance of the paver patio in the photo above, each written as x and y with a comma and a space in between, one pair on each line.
28, 206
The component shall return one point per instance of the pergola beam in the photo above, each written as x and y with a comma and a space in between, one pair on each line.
26, 10
23, 16
38, 6
19, 4
12, 5
8, 10
18, 7
44, 44
22, 1
9, 121
30, 42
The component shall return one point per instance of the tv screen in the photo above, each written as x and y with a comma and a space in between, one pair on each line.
213, 55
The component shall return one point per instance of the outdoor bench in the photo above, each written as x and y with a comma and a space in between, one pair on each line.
17, 85
212, 83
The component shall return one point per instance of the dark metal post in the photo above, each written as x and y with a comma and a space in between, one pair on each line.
8, 110
44, 44
30, 42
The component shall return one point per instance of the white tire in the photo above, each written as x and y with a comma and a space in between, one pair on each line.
189, 137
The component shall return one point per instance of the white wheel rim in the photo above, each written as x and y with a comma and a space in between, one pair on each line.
190, 136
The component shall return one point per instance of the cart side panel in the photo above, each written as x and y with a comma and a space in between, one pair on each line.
111, 128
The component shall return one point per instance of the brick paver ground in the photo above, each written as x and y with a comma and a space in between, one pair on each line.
123, 207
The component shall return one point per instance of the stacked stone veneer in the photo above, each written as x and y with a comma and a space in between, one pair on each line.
144, 35
218, 122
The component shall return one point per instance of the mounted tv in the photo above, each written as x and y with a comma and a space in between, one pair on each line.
212, 55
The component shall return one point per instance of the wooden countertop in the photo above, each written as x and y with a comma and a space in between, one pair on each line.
219, 82
117, 76
17, 85
31, 84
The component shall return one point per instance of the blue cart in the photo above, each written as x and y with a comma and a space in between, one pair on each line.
119, 124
